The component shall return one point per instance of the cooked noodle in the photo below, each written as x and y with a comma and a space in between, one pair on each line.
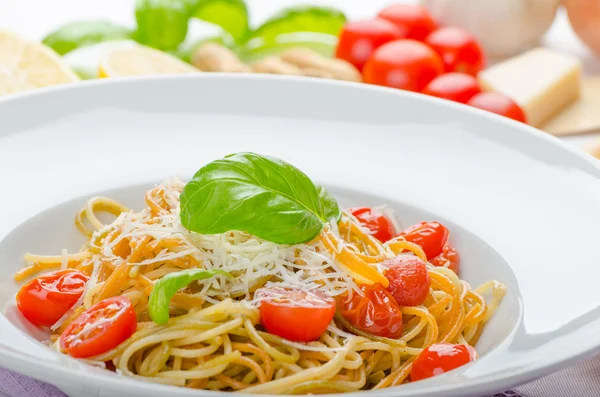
214, 340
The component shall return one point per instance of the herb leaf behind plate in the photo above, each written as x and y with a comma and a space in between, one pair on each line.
260, 195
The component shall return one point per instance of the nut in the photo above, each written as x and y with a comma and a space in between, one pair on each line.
212, 57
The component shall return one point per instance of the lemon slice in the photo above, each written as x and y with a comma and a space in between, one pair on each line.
25, 65
140, 60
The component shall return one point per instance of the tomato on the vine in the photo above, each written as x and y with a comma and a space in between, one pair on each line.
405, 64
415, 20
359, 39
458, 49
457, 87
498, 103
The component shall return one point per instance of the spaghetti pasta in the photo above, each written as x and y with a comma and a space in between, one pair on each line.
214, 338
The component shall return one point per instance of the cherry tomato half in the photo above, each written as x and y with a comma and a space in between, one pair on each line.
376, 312
449, 258
409, 279
376, 221
99, 329
359, 39
459, 50
45, 299
294, 314
405, 64
500, 104
457, 87
415, 20
440, 358
431, 236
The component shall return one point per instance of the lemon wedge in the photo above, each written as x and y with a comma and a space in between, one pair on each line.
26, 65
140, 60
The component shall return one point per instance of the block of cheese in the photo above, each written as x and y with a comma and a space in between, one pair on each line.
542, 81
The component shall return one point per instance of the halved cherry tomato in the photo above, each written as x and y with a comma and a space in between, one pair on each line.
440, 358
459, 50
376, 312
457, 87
431, 236
500, 104
405, 64
448, 256
409, 279
295, 314
101, 328
376, 221
45, 299
414, 19
359, 39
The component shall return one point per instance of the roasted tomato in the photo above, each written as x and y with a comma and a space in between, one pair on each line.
440, 358
376, 221
409, 279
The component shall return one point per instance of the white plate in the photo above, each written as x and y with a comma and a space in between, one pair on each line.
523, 208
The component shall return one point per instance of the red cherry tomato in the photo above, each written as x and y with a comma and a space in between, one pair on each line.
431, 236
457, 87
500, 104
378, 223
409, 279
405, 64
45, 299
414, 19
101, 328
440, 358
359, 39
459, 50
294, 314
448, 258
376, 312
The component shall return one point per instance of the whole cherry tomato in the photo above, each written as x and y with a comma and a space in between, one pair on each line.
378, 223
376, 312
101, 328
449, 257
405, 64
457, 87
284, 312
440, 358
45, 299
409, 279
415, 20
359, 39
500, 104
430, 236
459, 50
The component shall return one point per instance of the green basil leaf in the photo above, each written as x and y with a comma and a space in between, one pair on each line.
257, 49
230, 15
260, 195
84, 33
167, 286
300, 19
330, 205
162, 24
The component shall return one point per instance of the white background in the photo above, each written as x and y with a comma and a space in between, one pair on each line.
35, 18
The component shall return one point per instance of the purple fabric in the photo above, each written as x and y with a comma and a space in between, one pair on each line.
17, 385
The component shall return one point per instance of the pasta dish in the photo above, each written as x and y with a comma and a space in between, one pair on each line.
251, 278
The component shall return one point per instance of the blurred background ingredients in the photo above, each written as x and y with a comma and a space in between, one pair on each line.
480, 53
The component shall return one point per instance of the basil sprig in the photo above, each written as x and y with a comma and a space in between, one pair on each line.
167, 286
260, 195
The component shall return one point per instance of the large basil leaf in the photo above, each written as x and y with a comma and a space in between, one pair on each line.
300, 19
230, 15
263, 196
162, 24
330, 205
84, 33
